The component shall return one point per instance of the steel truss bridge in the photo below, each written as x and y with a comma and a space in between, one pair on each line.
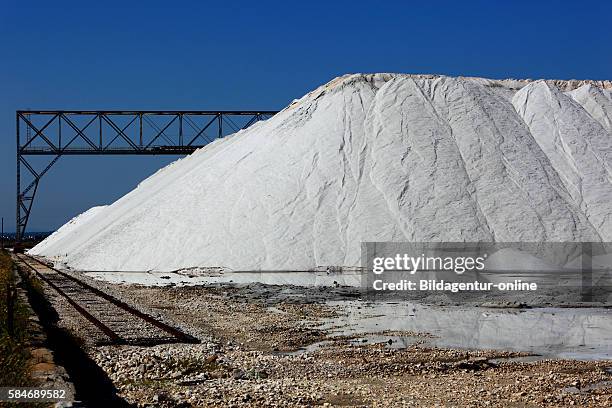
60, 133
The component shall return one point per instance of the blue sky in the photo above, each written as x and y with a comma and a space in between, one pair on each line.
254, 55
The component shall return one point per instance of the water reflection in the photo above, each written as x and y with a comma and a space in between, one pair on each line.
584, 334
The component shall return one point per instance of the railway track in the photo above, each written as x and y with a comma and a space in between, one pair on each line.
118, 322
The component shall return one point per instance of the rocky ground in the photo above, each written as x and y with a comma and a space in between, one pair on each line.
254, 353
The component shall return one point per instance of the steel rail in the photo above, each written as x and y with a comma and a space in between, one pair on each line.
96, 322
178, 334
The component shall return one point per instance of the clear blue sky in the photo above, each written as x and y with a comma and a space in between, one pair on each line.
256, 54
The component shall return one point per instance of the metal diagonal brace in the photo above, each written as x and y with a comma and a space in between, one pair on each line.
165, 140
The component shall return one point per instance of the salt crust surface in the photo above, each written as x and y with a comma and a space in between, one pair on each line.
376, 157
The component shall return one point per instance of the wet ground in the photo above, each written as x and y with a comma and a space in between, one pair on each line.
324, 346
541, 323
570, 333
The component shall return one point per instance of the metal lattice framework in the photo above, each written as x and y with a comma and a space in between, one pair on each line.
59, 133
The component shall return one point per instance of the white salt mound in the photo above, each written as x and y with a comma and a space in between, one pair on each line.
68, 231
382, 157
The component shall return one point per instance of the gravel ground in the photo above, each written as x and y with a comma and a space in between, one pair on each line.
254, 353
265, 346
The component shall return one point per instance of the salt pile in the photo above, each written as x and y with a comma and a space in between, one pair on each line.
382, 157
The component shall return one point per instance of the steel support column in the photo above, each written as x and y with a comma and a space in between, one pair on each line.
61, 133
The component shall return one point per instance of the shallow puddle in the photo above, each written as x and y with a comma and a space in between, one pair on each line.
583, 334
188, 278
